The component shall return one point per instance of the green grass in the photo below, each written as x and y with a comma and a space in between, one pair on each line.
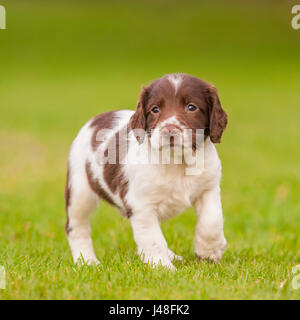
63, 62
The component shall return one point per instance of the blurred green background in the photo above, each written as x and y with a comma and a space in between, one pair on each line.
62, 62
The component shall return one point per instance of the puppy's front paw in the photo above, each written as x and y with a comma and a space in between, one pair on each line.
210, 250
90, 261
174, 256
157, 260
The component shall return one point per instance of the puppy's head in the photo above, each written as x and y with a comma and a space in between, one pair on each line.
177, 102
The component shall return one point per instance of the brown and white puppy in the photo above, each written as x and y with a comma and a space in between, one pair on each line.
121, 157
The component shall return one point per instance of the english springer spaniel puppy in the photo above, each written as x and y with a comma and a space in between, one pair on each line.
151, 164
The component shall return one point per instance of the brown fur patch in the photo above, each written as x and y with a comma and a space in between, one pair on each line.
95, 185
67, 200
101, 121
113, 174
67, 191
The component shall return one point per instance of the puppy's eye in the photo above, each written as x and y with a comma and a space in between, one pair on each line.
155, 109
191, 107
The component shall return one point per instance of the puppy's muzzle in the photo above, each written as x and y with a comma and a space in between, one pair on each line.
171, 134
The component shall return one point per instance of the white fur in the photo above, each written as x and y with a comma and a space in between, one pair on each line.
155, 192
176, 80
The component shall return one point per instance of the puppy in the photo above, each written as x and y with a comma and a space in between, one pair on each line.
151, 164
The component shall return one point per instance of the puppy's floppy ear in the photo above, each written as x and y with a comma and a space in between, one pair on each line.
138, 120
217, 116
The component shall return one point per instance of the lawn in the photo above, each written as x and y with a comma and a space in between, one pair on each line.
62, 62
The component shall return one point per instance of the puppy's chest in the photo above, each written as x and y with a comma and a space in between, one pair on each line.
171, 191
172, 200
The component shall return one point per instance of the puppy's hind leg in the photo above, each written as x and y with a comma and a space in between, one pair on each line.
81, 201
